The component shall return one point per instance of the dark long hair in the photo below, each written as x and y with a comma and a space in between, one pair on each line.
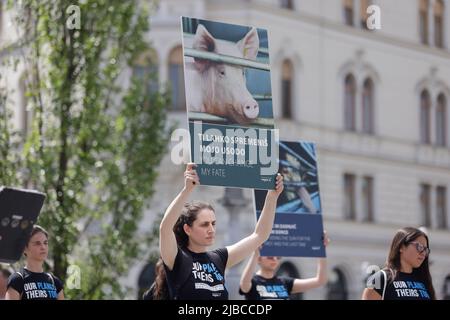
36, 229
403, 237
188, 216
160, 291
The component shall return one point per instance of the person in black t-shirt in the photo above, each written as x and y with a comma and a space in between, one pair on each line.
406, 275
266, 285
31, 282
186, 232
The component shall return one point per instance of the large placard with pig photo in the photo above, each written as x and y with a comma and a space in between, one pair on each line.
298, 226
229, 104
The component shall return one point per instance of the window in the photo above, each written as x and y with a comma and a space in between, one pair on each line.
286, 89
146, 68
367, 107
348, 12
441, 207
446, 291
425, 117
363, 13
349, 197
287, 4
439, 23
367, 194
423, 21
337, 285
146, 278
349, 103
425, 204
441, 121
176, 78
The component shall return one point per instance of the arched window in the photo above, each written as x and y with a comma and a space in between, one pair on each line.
287, 74
348, 12
349, 196
363, 13
368, 107
441, 121
287, 4
367, 199
425, 204
423, 21
425, 117
146, 278
176, 78
287, 269
446, 293
349, 102
337, 285
439, 23
441, 207
146, 67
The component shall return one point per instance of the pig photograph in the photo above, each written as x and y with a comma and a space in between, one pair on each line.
298, 164
227, 76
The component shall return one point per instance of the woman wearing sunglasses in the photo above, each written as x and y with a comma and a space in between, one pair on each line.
266, 285
406, 275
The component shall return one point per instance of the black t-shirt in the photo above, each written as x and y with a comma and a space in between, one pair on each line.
276, 288
206, 280
35, 285
405, 286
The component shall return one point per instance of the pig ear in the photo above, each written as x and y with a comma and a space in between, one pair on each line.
203, 41
249, 45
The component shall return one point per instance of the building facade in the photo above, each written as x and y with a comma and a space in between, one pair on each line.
375, 102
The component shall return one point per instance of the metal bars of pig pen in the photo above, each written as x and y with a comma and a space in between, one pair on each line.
225, 59
201, 116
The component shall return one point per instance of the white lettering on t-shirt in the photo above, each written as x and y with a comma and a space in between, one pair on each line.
407, 293
207, 273
400, 284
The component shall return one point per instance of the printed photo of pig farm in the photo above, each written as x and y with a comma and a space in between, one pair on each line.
298, 165
229, 104
298, 226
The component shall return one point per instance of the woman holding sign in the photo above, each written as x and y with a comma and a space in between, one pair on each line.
186, 232
32, 283
266, 285
406, 275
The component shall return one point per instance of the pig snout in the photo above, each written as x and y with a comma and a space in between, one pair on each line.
251, 109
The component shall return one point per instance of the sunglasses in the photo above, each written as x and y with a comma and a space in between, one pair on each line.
421, 248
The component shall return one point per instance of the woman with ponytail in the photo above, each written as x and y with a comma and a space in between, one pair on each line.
187, 230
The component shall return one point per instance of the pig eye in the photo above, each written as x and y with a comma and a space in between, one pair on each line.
222, 72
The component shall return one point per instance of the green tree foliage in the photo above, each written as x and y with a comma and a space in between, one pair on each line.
97, 137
